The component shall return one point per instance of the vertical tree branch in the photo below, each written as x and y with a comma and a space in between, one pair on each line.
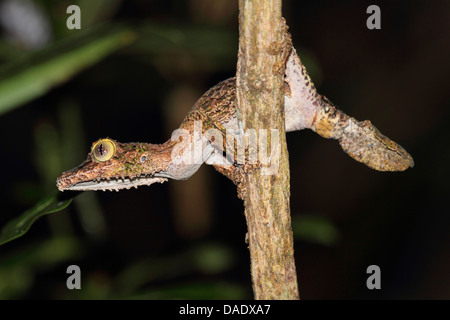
264, 46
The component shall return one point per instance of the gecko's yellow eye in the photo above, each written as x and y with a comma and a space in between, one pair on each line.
103, 150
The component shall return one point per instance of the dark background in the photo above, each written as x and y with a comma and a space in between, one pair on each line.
185, 239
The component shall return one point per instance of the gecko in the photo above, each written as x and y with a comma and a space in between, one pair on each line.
113, 165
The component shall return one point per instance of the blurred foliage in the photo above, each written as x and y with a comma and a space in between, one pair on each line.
218, 290
197, 48
20, 225
18, 270
315, 228
33, 74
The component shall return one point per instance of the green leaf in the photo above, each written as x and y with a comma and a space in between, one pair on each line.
20, 225
32, 75
315, 228
200, 48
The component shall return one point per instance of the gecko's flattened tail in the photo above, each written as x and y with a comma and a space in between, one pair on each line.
360, 139
365, 143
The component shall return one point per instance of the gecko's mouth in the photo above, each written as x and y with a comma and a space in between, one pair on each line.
113, 184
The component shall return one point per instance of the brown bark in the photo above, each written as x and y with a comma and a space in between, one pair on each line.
263, 48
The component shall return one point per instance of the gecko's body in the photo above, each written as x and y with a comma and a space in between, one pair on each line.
113, 165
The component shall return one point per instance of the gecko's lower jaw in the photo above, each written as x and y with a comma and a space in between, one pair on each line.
112, 184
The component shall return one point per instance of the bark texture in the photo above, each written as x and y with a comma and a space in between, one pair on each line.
264, 46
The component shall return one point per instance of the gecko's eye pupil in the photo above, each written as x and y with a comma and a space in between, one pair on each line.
103, 150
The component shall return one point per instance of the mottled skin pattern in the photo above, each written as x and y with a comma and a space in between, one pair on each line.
135, 164
212, 104
361, 140
130, 163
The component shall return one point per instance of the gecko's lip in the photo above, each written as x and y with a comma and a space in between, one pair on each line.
113, 184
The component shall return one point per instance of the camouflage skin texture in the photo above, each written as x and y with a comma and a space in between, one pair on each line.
112, 165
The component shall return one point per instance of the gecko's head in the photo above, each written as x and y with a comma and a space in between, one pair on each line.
113, 166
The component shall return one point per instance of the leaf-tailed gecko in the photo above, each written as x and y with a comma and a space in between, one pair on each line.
112, 165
